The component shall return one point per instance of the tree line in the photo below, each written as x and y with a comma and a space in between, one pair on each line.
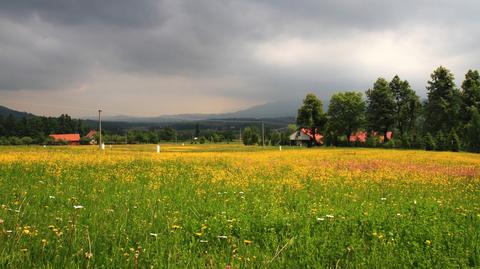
448, 119
36, 130
32, 129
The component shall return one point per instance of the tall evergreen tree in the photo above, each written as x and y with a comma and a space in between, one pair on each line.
441, 141
442, 108
453, 141
470, 94
473, 131
311, 116
407, 105
380, 107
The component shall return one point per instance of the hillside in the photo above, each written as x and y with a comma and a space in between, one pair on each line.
5, 111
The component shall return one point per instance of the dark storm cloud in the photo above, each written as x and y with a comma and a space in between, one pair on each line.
275, 48
125, 13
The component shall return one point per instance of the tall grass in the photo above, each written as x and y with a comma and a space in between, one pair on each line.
207, 206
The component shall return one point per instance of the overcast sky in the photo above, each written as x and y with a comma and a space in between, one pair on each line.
148, 58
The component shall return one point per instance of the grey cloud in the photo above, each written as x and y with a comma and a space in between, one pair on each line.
124, 13
57, 44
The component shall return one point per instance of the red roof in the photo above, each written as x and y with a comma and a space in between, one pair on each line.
66, 137
318, 137
389, 136
91, 134
359, 136
362, 136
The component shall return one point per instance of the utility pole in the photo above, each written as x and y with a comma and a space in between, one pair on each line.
263, 134
100, 128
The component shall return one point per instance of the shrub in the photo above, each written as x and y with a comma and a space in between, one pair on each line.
389, 144
4, 141
27, 140
372, 141
15, 140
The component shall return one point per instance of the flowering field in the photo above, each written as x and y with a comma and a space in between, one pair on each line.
228, 205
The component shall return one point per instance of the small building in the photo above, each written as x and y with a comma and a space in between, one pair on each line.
70, 139
91, 137
303, 137
91, 134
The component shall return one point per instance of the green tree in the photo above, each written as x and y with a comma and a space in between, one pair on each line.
250, 136
380, 107
311, 116
407, 105
441, 141
429, 142
453, 141
406, 141
473, 131
275, 138
442, 108
346, 113
470, 94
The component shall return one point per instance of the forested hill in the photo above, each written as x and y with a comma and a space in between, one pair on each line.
5, 111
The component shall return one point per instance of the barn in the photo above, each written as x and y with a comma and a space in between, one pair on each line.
70, 139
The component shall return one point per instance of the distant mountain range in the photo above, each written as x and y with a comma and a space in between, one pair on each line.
278, 109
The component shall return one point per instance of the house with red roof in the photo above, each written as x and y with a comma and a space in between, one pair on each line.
70, 139
91, 137
362, 136
304, 136
91, 134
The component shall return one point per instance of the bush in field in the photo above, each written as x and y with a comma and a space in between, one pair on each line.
15, 140
26, 140
390, 144
4, 141
372, 141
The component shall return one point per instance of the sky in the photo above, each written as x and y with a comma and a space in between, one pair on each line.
150, 58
